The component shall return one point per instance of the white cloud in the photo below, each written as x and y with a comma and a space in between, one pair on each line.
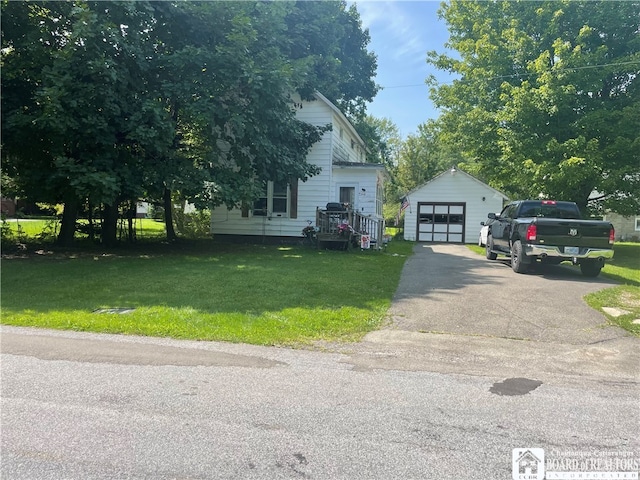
393, 31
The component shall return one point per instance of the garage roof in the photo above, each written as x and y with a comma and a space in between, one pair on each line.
459, 172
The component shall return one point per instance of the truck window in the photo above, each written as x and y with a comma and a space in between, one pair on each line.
507, 212
564, 210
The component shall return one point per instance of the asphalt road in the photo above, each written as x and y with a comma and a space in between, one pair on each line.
468, 369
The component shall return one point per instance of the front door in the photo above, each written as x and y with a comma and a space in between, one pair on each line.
441, 222
348, 196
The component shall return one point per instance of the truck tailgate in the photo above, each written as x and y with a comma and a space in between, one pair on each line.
573, 233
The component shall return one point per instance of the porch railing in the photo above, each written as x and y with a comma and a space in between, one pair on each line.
328, 225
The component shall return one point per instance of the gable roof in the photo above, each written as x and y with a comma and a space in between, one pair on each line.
342, 117
458, 172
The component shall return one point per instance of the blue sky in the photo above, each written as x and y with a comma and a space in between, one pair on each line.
402, 32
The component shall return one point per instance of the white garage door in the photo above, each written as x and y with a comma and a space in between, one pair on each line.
441, 222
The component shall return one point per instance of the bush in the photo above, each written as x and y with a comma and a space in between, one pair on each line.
10, 240
193, 225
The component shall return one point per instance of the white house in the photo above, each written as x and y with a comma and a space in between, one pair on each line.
285, 209
627, 227
449, 208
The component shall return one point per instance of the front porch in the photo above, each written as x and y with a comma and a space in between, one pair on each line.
347, 228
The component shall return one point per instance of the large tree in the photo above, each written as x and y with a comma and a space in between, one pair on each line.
109, 102
73, 116
422, 156
548, 97
382, 138
328, 50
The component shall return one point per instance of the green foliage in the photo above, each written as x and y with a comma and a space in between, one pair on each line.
382, 138
107, 102
422, 157
8, 238
328, 51
49, 232
193, 225
547, 98
384, 146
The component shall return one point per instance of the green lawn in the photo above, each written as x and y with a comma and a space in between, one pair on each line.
624, 268
30, 229
240, 293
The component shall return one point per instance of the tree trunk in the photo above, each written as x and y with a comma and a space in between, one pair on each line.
69, 216
92, 235
131, 214
110, 225
168, 215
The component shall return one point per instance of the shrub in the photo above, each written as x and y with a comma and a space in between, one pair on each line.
193, 225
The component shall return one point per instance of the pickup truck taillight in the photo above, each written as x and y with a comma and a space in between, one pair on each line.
532, 232
612, 236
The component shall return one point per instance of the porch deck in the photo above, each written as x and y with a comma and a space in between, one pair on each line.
328, 223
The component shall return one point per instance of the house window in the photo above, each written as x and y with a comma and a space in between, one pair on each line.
348, 195
341, 133
280, 198
637, 224
260, 204
274, 200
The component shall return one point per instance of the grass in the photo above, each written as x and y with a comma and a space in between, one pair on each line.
623, 297
28, 229
624, 268
256, 294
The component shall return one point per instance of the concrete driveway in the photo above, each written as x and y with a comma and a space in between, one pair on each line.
455, 311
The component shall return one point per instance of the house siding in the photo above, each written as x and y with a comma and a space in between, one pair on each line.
311, 193
625, 226
478, 199
346, 147
364, 183
317, 191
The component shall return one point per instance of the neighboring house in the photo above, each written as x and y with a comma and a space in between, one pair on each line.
449, 208
285, 209
627, 228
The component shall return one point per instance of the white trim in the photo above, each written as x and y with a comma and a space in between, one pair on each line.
458, 172
337, 111
356, 188
269, 214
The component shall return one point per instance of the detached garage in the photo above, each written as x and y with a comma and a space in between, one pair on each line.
449, 208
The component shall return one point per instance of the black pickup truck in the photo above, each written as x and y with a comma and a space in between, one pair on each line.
550, 231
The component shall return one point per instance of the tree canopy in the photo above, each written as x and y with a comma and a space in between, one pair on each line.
109, 102
422, 157
547, 99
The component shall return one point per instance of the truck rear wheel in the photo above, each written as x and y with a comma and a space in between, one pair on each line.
488, 247
519, 262
591, 267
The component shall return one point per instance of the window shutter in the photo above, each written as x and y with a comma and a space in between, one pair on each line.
293, 210
245, 210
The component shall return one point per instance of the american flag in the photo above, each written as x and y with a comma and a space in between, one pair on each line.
404, 204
